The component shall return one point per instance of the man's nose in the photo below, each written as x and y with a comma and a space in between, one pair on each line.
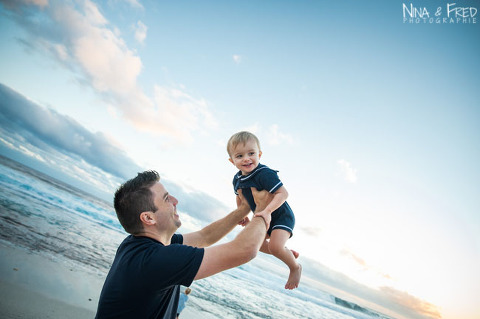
175, 201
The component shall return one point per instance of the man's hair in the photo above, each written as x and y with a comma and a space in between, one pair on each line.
134, 197
241, 137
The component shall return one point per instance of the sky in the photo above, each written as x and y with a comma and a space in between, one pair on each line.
369, 110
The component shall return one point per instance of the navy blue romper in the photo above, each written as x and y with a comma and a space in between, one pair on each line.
265, 178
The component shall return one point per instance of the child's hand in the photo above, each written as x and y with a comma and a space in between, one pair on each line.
267, 216
263, 213
244, 222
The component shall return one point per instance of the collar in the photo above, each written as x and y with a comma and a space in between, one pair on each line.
246, 177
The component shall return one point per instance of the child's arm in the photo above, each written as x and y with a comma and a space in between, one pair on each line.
279, 197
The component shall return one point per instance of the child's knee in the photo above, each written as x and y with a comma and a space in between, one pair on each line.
275, 248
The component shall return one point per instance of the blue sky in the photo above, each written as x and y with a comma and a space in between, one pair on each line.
373, 122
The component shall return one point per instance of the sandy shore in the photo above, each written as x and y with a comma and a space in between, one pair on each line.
33, 286
18, 302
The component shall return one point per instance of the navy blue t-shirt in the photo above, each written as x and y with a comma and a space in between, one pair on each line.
145, 277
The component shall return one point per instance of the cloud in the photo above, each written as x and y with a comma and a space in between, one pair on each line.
64, 145
197, 204
101, 55
275, 137
349, 173
388, 299
417, 306
174, 112
134, 3
19, 3
47, 129
365, 267
359, 260
311, 230
237, 58
140, 32
272, 134
82, 40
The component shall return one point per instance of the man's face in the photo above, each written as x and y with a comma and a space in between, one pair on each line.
166, 213
246, 156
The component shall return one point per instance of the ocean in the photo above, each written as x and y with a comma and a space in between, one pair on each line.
49, 218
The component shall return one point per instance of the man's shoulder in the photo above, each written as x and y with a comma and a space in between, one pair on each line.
138, 240
136, 244
145, 240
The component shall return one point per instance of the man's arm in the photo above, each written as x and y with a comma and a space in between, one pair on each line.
215, 231
243, 248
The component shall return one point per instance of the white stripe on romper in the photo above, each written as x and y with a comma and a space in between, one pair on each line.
276, 226
274, 187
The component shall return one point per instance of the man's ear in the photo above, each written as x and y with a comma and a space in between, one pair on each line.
147, 218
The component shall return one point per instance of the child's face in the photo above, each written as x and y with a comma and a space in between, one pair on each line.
246, 156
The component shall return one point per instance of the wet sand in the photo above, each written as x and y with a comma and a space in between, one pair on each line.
34, 286
19, 302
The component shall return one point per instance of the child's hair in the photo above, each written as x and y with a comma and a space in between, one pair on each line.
241, 137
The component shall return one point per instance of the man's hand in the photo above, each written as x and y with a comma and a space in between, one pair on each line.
242, 204
244, 222
262, 199
267, 217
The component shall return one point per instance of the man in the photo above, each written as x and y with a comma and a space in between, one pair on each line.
152, 263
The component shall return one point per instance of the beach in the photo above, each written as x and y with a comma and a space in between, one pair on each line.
19, 302
33, 286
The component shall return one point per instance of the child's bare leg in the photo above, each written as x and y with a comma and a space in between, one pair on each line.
264, 247
277, 248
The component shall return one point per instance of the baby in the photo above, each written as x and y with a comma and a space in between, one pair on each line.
244, 151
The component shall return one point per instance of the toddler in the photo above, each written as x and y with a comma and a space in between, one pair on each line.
244, 151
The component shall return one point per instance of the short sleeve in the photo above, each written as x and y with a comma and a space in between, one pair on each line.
178, 264
269, 180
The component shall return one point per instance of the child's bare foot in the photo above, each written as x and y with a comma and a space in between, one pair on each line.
295, 253
294, 278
